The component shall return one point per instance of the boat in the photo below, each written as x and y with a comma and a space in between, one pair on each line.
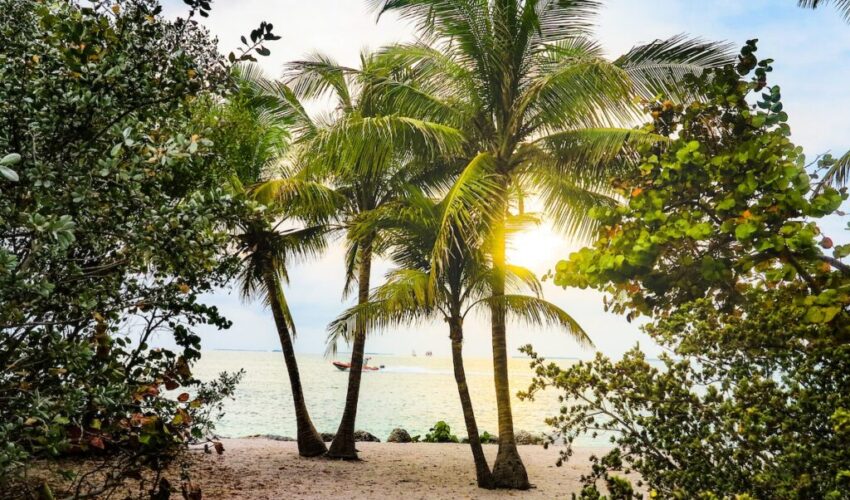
346, 366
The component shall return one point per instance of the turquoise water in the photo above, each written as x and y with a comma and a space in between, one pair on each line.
411, 393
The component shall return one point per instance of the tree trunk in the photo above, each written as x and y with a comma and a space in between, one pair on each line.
310, 443
343, 443
482, 470
508, 469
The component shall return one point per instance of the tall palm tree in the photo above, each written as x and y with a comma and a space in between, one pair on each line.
545, 110
286, 223
370, 154
461, 286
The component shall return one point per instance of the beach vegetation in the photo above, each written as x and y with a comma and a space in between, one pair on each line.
719, 246
111, 230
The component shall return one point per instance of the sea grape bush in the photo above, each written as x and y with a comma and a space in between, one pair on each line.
718, 243
111, 226
440, 433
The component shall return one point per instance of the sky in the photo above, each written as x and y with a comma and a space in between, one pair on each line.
812, 54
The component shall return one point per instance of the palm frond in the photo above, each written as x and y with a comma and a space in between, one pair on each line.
470, 200
568, 202
659, 67
838, 174
538, 312
518, 278
298, 197
591, 155
555, 20
371, 142
403, 299
318, 76
580, 92
842, 5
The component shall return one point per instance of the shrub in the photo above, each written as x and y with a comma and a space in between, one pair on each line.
111, 228
440, 433
719, 244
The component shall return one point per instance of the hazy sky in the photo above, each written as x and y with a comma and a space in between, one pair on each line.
812, 53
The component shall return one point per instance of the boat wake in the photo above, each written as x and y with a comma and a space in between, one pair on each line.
415, 369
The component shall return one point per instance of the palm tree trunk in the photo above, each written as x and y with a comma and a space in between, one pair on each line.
310, 443
343, 443
508, 469
482, 470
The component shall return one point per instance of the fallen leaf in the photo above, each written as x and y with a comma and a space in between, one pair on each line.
97, 442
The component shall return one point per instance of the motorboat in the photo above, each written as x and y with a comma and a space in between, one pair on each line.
341, 366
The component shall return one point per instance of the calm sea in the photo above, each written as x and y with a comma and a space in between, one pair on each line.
410, 392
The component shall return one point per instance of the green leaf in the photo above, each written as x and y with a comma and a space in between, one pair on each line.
9, 174
745, 230
10, 159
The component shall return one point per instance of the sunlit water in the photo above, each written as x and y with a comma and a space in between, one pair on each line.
410, 392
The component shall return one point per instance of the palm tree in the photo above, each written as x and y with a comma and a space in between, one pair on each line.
286, 221
461, 286
266, 250
545, 112
371, 155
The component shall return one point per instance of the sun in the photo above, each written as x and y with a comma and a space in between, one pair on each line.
538, 249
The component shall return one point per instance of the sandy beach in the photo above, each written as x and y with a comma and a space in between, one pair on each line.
266, 469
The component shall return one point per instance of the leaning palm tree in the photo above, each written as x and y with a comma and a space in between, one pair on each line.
370, 155
266, 251
461, 286
546, 113
286, 220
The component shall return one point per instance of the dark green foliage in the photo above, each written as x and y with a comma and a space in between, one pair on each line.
719, 244
440, 433
111, 227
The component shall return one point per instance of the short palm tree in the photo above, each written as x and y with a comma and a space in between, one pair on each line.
544, 110
371, 155
266, 251
286, 220
461, 286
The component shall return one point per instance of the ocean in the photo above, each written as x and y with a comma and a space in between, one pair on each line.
410, 392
